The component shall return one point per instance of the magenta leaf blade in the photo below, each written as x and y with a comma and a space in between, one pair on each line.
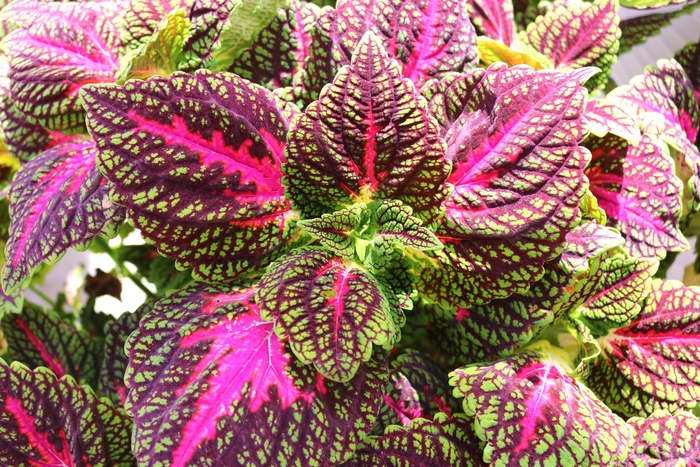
202, 182
59, 48
653, 363
58, 200
331, 311
493, 18
368, 136
48, 422
512, 135
529, 412
211, 382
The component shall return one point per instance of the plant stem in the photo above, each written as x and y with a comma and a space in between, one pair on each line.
43, 296
135, 277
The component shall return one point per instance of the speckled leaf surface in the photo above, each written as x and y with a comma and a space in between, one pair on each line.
331, 311
111, 375
48, 422
11, 303
142, 18
58, 200
604, 116
663, 439
512, 135
38, 337
428, 37
59, 48
418, 388
202, 182
369, 136
639, 191
644, 4
578, 34
636, 31
335, 230
653, 363
689, 58
211, 383
208, 18
161, 53
530, 413
623, 284
397, 226
281, 48
425, 443
587, 241
663, 98
493, 19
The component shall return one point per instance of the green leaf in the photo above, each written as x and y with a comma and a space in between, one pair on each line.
142, 19
331, 311
397, 226
334, 230
161, 54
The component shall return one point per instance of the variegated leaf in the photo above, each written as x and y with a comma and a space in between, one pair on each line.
58, 200
202, 182
369, 136
142, 18
605, 116
331, 311
493, 19
512, 135
663, 439
210, 383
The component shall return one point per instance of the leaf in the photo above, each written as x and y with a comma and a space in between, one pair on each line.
211, 383
418, 387
208, 18
39, 337
530, 413
142, 18
369, 136
515, 196
396, 226
637, 188
202, 182
159, 55
241, 30
58, 200
689, 59
492, 51
111, 374
429, 38
643, 4
585, 243
663, 100
578, 34
425, 443
652, 363
637, 30
623, 284
493, 19
664, 439
606, 116
60, 48
330, 311
45, 421
10, 303
335, 230
281, 48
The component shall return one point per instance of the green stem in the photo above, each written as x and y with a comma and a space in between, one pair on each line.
135, 277
43, 296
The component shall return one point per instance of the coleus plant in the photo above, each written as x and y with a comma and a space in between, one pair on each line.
381, 232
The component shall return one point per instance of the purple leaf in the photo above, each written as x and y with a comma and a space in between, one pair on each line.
50, 422
530, 413
493, 18
652, 364
429, 38
368, 136
331, 311
208, 18
10, 303
58, 200
587, 241
441, 442
111, 375
639, 191
664, 440
142, 18
197, 167
578, 34
211, 383
41, 338
605, 116
418, 387
636, 31
281, 48
512, 135
60, 48
689, 59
